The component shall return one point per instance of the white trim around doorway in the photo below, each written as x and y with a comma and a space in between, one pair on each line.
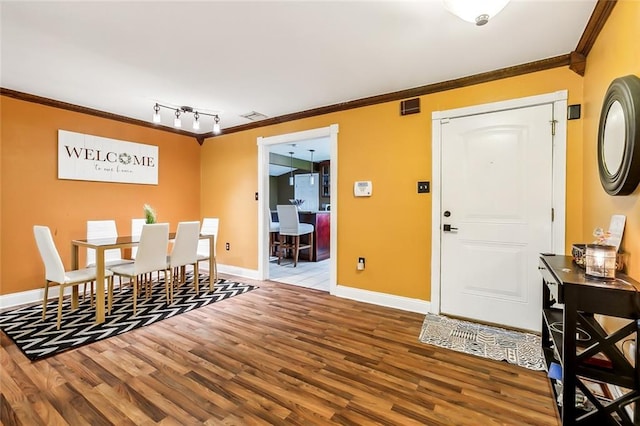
263, 190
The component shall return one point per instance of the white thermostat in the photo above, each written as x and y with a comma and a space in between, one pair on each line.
362, 188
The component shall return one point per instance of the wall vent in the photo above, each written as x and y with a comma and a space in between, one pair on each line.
254, 116
410, 106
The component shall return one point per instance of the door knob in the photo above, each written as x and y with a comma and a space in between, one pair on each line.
448, 228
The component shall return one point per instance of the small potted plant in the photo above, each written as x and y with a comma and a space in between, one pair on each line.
296, 202
149, 214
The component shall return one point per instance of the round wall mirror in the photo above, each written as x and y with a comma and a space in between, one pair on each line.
619, 138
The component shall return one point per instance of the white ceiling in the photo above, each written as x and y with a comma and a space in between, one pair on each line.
273, 57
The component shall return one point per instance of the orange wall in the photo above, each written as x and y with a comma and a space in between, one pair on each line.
615, 54
392, 229
32, 193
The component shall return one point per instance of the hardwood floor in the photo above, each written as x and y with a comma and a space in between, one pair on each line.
277, 355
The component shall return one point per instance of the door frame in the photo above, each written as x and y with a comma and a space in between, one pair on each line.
264, 143
559, 176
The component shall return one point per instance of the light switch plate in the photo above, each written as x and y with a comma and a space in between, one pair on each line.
423, 187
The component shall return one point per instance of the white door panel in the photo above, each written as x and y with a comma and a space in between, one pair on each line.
507, 259
497, 188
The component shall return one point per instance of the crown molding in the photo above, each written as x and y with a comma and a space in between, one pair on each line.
90, 111
600, 14
598, 18
544, 64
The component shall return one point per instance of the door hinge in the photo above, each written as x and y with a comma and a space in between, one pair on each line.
553, 214
553, 127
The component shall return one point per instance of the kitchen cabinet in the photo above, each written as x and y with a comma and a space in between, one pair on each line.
321, 222
325, 179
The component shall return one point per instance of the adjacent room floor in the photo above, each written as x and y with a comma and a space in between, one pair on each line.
307, 274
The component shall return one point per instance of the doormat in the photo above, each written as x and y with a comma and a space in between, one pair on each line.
495, 343
39, 339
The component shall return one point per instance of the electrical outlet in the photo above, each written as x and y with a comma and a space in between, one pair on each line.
227, 246
423, 187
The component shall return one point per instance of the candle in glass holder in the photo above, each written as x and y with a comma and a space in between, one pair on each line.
600, 261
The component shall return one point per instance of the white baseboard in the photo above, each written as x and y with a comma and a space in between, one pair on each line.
30, 296
383, 299
232, 270
24, 297
367, 296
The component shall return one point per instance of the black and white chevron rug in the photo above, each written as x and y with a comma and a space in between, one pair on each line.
39, 339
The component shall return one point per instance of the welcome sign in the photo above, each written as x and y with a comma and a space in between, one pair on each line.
87, 157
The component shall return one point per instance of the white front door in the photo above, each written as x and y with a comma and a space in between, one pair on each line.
496, 214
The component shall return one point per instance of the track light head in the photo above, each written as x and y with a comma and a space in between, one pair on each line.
196, 121
216, 124
156, 113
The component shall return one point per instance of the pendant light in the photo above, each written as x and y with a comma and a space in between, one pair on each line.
291, 170
311, 178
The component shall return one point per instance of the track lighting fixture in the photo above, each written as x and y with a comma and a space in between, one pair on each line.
178, 111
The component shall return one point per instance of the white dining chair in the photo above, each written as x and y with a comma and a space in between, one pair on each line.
291, 227
103, 229
99, 229
274, 233
56, 274
136, 231
210, 226
151, 256
185, 252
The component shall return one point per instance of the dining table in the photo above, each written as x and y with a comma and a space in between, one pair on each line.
100, 245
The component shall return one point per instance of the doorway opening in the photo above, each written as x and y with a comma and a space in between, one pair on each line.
295, 158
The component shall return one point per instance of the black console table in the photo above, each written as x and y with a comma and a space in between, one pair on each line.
570, 300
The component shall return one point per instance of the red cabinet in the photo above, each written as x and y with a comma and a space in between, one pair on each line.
321, 222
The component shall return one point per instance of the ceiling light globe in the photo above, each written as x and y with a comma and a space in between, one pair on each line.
475, 11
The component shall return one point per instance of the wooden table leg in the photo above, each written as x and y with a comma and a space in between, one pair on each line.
212, 261
99, 285
74, 266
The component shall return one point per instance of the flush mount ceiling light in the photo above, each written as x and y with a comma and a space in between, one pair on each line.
475, 11
178, 111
